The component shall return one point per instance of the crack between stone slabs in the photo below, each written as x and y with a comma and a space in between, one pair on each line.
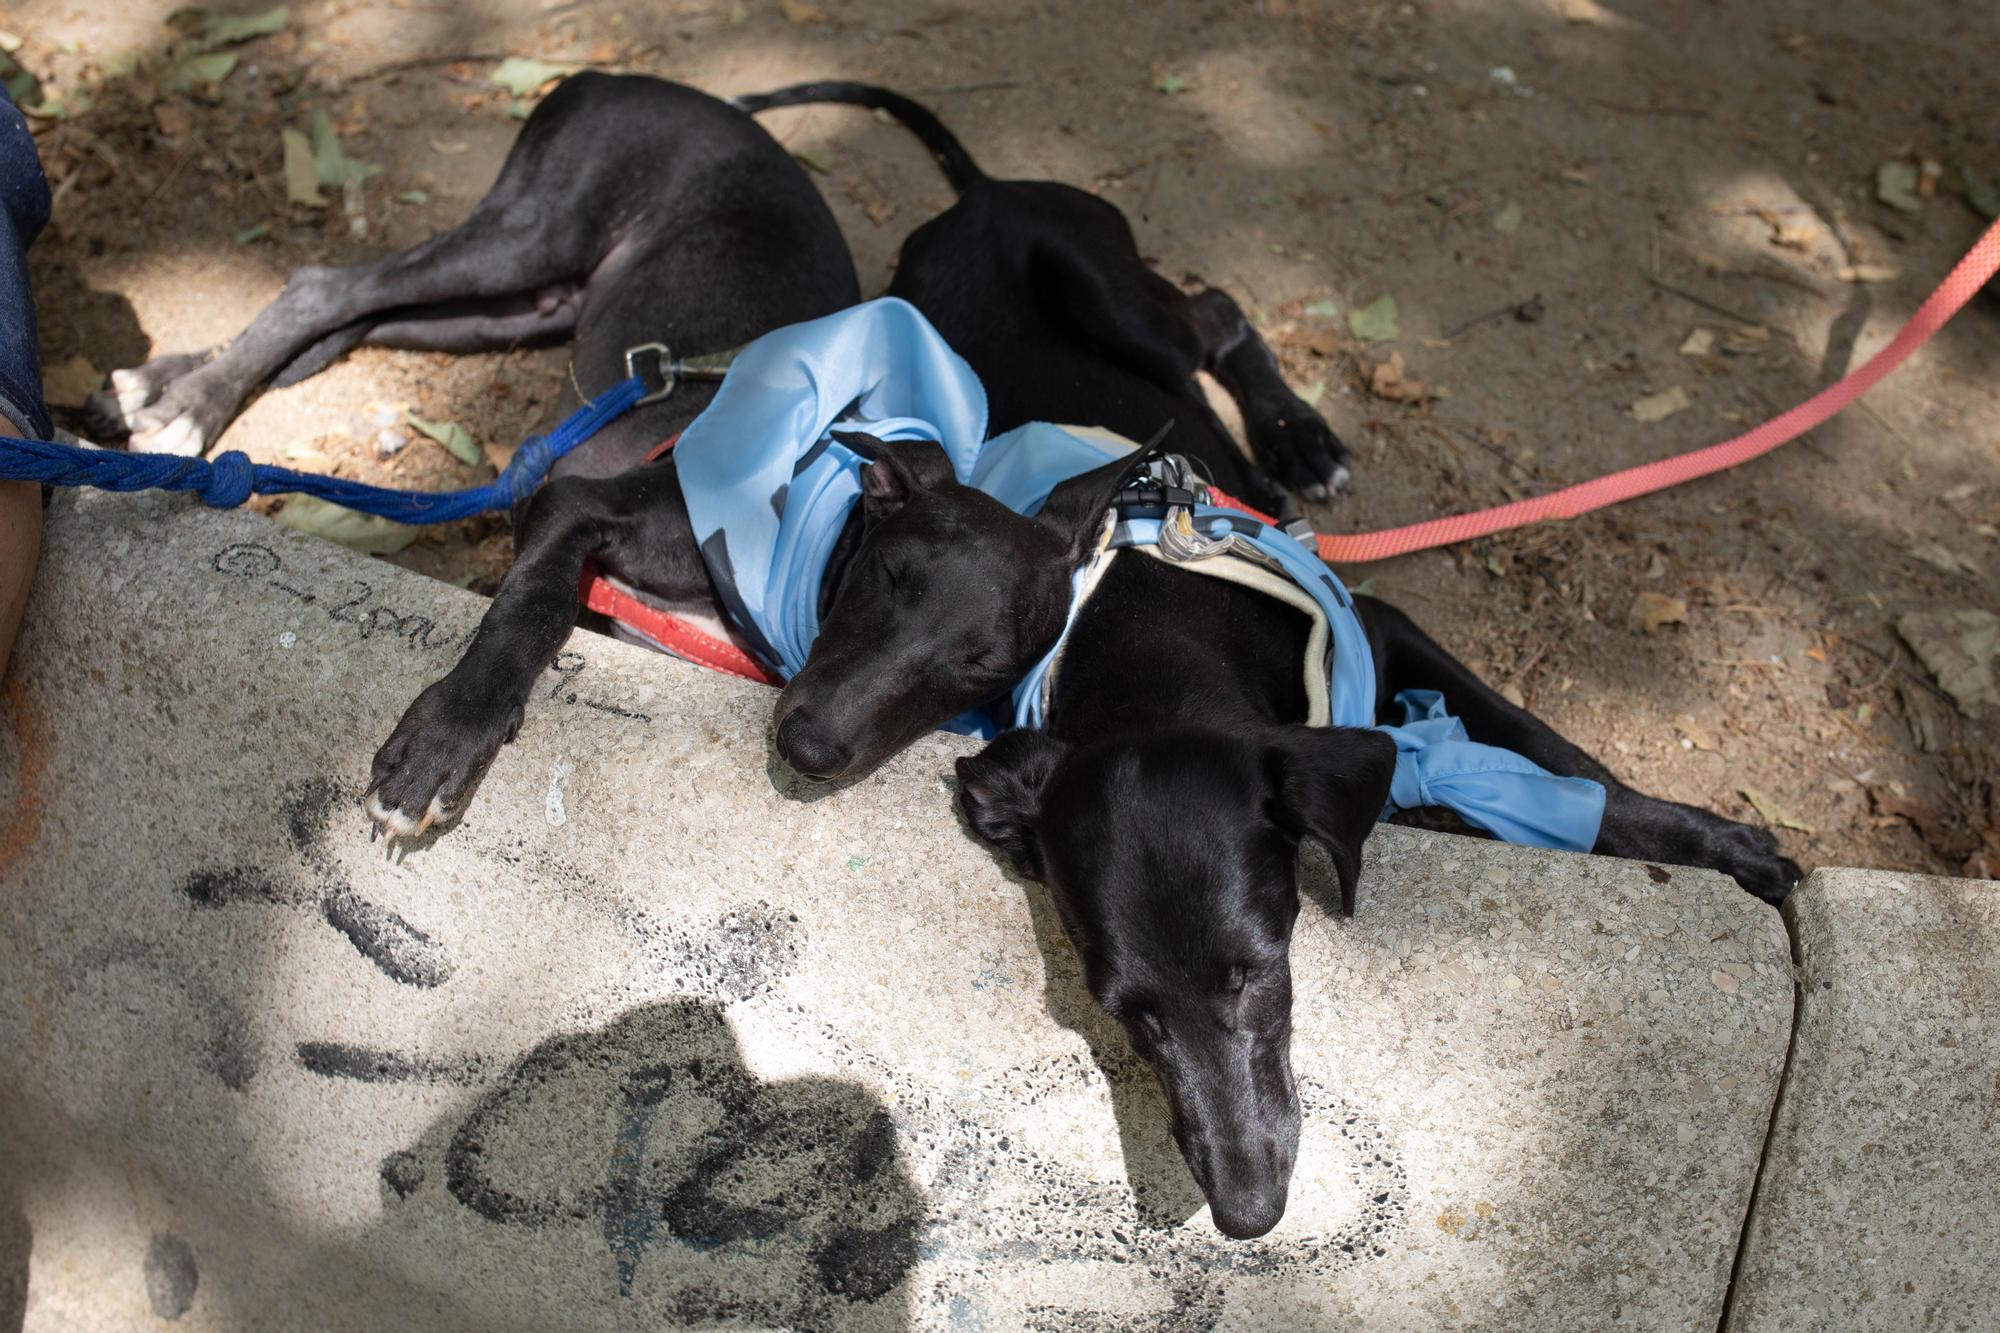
1771, 1119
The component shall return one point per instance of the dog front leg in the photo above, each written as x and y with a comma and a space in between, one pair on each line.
634, 526
1636, 826
1289, 438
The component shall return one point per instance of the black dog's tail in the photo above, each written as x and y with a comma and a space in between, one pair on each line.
959, 168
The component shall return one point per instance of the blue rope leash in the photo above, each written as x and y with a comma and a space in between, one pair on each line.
231, 478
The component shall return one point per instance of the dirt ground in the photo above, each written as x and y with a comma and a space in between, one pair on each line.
1641, 172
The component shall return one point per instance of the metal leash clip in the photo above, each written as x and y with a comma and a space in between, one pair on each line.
673, 369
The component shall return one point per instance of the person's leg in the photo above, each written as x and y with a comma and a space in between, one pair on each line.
24, 208
20, 539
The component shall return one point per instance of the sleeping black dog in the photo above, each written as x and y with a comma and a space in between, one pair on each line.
632, 211
1165, 799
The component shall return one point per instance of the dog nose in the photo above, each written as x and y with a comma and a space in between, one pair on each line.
1248, 1186
811, 754
1249, 1215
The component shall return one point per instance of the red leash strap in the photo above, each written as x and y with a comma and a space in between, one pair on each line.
1972, 273
670, 632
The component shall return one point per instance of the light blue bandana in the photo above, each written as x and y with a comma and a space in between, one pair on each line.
768, 492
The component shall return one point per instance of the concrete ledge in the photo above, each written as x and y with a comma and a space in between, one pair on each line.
1878, 1207
648, 1041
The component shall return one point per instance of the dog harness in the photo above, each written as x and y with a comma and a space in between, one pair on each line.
769, 490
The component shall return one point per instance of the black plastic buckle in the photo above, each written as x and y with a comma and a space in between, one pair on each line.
1149, 497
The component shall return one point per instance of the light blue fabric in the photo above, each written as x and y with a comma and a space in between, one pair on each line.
1511, 797
768, 492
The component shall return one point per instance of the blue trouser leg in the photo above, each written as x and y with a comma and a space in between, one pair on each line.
24, 209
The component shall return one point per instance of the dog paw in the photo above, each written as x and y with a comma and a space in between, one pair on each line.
182, 436
426, 770
1752, 858
1296, 446
111, 413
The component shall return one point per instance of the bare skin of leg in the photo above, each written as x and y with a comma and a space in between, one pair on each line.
20, 543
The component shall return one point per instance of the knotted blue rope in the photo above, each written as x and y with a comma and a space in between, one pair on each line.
231, 478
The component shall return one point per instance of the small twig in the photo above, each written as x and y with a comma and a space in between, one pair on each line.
1628, 108
1705, 303
1527, 312
172, 176
421, 62
1890, 658
954, 90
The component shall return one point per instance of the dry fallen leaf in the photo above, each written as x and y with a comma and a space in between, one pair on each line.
521, 75
1952, 842
1389, 380
1660, 406
456, 439
1896, 186
1697, 735
1793, 235
801, 11
173, 118
1701, 342
1650, 610
1773, 813
1870, 273
1959, 648
1375, 322
360, 532
1939, 556
301, 171
1321, 340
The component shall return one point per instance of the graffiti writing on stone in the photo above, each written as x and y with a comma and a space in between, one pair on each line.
355, 605
316, 881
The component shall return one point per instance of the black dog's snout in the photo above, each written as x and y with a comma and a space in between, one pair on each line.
809, 752
1247, 1190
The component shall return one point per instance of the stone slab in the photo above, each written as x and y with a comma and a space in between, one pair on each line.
1879, 1204
651, 1039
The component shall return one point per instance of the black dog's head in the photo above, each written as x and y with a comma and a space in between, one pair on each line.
949, 600
1173, 860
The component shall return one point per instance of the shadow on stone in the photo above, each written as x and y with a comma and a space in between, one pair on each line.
1163, 1190
17, 1243
720, 1197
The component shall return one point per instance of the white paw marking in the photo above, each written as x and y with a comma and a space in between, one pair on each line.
1338, 479
131, 390
179, 436
399, 825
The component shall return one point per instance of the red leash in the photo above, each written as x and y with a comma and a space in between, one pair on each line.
1972, 273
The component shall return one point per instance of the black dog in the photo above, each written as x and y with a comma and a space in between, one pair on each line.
1165, 803
633, 211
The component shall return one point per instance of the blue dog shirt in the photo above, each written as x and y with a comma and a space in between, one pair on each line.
768, 492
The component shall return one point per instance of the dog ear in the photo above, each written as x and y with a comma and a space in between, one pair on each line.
897, 471
1000, 789
1332, 783
1075, 508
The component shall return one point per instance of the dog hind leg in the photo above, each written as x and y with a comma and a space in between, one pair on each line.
1635, 825
1287, 436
